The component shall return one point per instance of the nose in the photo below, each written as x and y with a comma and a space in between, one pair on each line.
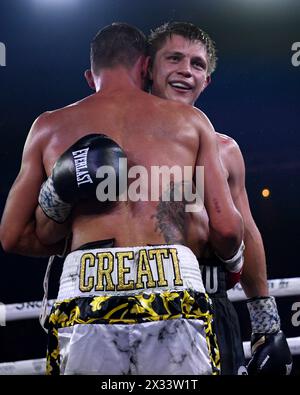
185, 68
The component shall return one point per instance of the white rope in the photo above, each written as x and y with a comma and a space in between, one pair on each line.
278, 288
24, 311
28, 367
38, 366
28, 310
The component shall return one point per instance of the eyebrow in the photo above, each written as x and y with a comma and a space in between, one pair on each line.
174, 53
193, 59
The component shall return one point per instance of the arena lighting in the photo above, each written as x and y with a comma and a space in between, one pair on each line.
263, 5
55, 3
265, 193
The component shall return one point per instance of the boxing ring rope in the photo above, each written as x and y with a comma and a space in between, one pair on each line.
278, 288
29, 310
32, 367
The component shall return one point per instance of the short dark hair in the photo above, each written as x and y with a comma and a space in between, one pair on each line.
117, 44
158, 37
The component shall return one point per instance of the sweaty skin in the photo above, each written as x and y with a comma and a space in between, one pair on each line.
144, 136
180, 73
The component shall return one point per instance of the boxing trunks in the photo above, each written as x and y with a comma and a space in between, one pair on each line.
227, 325
133, 310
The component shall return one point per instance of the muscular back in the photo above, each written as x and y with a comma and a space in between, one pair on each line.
152, 132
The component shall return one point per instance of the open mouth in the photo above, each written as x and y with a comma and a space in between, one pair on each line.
179, 85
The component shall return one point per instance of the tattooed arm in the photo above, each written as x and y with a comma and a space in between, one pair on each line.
225, 222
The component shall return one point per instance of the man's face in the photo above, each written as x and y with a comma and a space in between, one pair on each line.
179, 71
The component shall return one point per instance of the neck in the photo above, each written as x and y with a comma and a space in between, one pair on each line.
118, 78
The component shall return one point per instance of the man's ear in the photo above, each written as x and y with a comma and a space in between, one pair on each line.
207, 82
145, 67
90, 79
149, 69
147, 74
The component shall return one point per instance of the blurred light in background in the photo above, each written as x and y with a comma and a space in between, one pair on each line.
264, 3
56, 3
265, 193
265, 6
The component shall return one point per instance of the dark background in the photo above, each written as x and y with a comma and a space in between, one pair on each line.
253, 97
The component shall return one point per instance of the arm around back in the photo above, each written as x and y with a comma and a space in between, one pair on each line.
254, 275
18, 221
226, 224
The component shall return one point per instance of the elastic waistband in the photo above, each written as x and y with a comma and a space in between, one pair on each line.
129, 270
107, 243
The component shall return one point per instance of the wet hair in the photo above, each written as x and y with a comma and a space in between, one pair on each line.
118, 44
159, 36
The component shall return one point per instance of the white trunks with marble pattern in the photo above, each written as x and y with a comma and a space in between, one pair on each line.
135, 310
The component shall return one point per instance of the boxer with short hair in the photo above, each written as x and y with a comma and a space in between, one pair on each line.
183, 57
131, 297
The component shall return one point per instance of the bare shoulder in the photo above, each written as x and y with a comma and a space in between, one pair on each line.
41, 122
48, 122
227, 141
42, 129
45, 121
178, 108
198, 120
51, 117
199, 115
39, 128
231, 156
228, 145
168, 104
